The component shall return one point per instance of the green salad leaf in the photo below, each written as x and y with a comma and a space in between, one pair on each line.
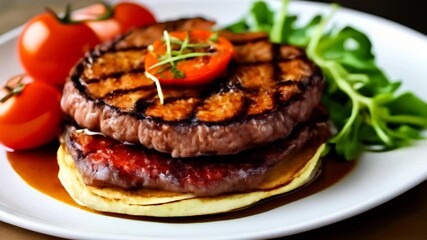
365, 107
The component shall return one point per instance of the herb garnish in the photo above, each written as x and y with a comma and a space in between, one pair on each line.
158, 86
187, 50
364, 105
176, 50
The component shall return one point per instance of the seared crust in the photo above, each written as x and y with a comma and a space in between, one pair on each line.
268, 89
103, 162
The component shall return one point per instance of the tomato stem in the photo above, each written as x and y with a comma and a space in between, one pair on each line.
66, 18
13, 90
8, 88
109, 12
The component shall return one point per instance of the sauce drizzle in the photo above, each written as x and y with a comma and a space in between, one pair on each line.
39, 169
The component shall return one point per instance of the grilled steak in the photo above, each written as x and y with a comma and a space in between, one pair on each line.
266, 91
103, 161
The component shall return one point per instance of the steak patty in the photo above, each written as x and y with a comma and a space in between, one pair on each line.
104, 162
266, 91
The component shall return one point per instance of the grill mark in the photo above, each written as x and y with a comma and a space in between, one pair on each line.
264, 62
277, 71
117, 92
93, 80
193, 115
128, 48
242, 43
122, 100
289, 83
119, 39
221, 86
102, 88
143, 103
116, 64
101, 49
141, 106
116, 75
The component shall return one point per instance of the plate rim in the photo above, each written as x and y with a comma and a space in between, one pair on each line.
45, 228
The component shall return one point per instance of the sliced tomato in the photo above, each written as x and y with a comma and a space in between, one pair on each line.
48, 48
194, 70
32, 116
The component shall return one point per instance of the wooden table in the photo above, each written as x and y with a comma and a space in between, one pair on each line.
404, 217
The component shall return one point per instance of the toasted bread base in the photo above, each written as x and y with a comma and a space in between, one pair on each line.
157, 203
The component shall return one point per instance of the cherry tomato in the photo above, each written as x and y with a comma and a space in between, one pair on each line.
48, 48
30, 117
109, 21
50, 45
194, 70
131, 15
99, 18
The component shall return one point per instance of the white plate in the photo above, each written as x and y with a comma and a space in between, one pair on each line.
377, 177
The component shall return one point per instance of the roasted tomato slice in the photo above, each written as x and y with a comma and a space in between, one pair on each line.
188, 58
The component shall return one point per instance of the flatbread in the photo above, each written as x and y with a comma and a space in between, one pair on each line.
286, 177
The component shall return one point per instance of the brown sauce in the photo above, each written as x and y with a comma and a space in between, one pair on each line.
39, 169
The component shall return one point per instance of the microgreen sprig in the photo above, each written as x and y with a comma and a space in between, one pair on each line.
172, 57
169, 60
158, 86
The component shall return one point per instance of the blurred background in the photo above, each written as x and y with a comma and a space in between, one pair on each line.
14, 13
408, 12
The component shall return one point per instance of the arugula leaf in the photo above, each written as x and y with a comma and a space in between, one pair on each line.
364, 105
408, 104
238, 27
374, 107
301, 36
259, 19
261, 16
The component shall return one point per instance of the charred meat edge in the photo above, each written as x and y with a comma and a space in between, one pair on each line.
133, 167
189, 139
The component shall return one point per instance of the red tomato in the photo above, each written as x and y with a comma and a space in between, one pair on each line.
105, 29
194, 70
49, 45
131, 15
48, 48
125, 16
32, 117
